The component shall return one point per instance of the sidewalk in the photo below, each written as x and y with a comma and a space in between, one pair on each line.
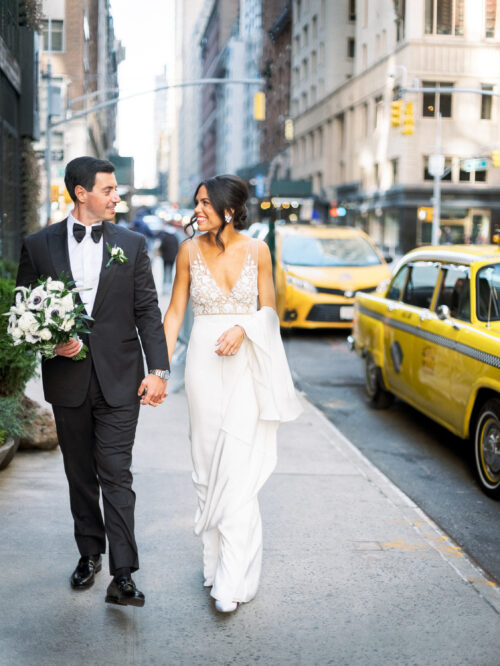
354, 573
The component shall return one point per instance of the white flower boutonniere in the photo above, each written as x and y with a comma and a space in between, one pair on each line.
117, 254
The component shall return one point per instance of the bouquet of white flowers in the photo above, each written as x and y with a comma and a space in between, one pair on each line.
47, 315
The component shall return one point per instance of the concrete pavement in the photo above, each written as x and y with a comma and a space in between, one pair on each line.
354, 573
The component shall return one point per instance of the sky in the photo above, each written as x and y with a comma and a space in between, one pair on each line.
146, 30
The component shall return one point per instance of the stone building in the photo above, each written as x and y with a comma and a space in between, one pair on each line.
79, 43
349, 61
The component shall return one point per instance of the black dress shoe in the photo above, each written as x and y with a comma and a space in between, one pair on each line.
122, 591
84, 574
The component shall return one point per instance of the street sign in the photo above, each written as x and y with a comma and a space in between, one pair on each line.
474, 164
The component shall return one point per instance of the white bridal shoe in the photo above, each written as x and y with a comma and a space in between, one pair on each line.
225, 606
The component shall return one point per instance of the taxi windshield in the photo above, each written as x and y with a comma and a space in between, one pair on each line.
488, 293
308, 251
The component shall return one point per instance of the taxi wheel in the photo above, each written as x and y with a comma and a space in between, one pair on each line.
378, 397
487, 448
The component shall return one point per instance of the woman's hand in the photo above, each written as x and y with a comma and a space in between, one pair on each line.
230, 341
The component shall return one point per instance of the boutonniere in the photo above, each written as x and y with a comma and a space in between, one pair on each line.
117, 254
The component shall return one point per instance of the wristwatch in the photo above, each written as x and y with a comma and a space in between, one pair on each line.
163, 374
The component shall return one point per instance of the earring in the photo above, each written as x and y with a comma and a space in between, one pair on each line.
228, 218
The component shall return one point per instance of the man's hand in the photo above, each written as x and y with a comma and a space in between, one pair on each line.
152, 390
69, 349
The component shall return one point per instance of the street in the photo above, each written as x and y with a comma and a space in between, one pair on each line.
423, 459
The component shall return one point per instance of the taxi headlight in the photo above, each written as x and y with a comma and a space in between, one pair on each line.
298, 283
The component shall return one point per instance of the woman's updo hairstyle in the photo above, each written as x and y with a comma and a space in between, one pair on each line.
226, 193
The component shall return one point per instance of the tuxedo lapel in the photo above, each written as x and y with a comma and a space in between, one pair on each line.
106, 275
58, 249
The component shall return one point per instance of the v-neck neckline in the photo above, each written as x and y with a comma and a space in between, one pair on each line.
245, 262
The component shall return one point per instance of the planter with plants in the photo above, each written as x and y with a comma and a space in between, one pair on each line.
16, 368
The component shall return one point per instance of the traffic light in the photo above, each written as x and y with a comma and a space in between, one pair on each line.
259, 106
396, 108
408, 119
495, 158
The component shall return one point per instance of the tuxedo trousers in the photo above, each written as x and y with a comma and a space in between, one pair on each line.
96, 441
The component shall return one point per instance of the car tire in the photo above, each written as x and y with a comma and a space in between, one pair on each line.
378, 396
487, 448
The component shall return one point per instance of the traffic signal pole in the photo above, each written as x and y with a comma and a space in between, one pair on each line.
436, 216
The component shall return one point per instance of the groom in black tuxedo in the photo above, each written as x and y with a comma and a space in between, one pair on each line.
96, 400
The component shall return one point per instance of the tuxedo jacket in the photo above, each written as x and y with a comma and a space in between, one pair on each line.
125, 309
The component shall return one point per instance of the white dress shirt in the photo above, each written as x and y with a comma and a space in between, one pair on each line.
85, 259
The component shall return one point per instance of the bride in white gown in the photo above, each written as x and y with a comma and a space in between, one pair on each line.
238, 384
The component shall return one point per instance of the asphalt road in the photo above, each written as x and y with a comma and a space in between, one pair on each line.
427, 462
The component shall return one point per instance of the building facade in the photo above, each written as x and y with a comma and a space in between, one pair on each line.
80, 46
349, 61
19, 121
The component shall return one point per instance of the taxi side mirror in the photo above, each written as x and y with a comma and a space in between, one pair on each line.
443, 312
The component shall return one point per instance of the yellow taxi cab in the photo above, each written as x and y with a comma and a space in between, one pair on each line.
318, 271
432, 338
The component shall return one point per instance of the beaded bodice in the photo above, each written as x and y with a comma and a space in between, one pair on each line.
207, 297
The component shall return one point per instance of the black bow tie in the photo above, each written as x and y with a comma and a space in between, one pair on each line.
79, 232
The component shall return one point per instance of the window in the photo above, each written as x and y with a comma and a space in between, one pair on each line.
377, 175
379, 108
305, 36
299, 8
420, 285
400, 11
436, 102
315, 28
56, 35
364, 56
488, 290
395, 171
304, 69
447, 169
351, 47
454, 291
486, 102
490, 18
444, 17
352, 10
364, 120
321, 53
398, 284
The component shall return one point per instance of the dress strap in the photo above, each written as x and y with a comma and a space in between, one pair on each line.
194, 250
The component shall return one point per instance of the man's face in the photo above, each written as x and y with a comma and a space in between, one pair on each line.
102, 199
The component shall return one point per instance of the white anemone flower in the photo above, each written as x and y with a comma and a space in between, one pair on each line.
45, 334
55, 285
26, 321
37, 298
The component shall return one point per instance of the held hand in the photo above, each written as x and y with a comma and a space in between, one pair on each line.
69, 349
152, 390
230, 341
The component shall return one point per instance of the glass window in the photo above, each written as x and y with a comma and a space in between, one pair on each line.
379, 108
488, 293
490, 17
56, 35
352, 10
444, 17
420, 284
486, 102
436, 102
351, 45
454, 291
308, 251
447, 169
398, 283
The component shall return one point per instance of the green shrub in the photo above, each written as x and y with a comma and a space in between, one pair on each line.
8, 269
12, 417
16, 366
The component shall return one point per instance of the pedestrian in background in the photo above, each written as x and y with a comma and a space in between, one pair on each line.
169, 246
96, 400
238, 384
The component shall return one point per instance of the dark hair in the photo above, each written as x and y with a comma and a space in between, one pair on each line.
82, 171
226, 192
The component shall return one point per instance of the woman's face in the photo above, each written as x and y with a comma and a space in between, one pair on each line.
206, 217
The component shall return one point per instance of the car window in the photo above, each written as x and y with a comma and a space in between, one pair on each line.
454, 291
307, 251
421, 283
397, 284
488, 293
